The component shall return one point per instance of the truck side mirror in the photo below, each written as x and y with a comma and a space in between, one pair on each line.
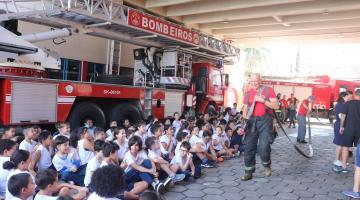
226, 79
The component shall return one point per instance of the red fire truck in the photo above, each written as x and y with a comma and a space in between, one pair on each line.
179, 67
325, 90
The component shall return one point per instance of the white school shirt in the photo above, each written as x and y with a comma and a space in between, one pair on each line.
60, 163
178, 160
8, 195
164, 138
122, 149
130, 159
44, 197
92, 165
195, 139
84, 155
24, 145
177, 149
3, 176
45, 159
177, 126
109, 135
220, 141
153, 154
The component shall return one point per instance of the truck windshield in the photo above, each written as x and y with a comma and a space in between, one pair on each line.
216, 77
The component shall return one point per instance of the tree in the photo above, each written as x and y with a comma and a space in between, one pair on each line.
256, 59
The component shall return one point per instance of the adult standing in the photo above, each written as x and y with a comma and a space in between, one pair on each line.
304, 111
338, 139
284, 108
350, 128
292, 102
258, 136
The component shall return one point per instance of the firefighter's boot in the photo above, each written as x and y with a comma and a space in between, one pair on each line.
246, 177
267, 171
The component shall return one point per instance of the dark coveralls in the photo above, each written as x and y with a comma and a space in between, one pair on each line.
258, 137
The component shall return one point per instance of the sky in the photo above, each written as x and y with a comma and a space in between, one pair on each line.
336, 60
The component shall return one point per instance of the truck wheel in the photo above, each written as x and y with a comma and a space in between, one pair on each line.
211, 110
87, 110
123, 111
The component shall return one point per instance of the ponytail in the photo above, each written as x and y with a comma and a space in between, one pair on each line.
16, 158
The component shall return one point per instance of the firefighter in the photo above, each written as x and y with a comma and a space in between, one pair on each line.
260, 124
304, 111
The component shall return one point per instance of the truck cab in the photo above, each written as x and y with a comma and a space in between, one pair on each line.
210, 83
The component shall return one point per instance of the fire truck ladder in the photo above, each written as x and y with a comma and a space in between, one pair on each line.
107, 19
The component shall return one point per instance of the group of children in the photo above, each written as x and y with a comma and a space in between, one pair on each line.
152, 154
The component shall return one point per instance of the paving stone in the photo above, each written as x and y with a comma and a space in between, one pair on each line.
213, 191
195, 186
267, 192
286, 195
174, 196
229, 183
250, 193
212, 179
229, 189
178, 188
212, 197
193, 193
232, 196
269, 198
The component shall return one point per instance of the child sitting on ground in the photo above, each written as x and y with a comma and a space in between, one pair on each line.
67, 163
42, 155
7, 148
139, 167
21, 186
198, 148
28, 144
63, 129
218, 140
110, 154
163, 166
110, 131
121, 141
9, 133
19, 163
99, 134
94, 162
182, 163
47, 181
167, 142
82, 140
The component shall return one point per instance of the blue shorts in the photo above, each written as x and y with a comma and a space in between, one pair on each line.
357, 156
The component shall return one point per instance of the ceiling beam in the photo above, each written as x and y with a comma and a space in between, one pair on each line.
160, 3
291, 19
294, 27
338, 31
279, 10
216, 6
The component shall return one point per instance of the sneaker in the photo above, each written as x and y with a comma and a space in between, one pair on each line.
303, 142
350, 193
238, 153
337, 163
159, 187
344, 171
207, 165
167, 182
177, 177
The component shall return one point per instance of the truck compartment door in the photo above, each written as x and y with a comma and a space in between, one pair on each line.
174, 102
33, 102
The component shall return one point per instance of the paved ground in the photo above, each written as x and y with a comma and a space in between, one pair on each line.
294, 177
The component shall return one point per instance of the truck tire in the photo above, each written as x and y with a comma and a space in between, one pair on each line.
211, 110
87, 110
123, 111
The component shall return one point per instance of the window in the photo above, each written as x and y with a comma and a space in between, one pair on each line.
343, 88
94, 70
216, 77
